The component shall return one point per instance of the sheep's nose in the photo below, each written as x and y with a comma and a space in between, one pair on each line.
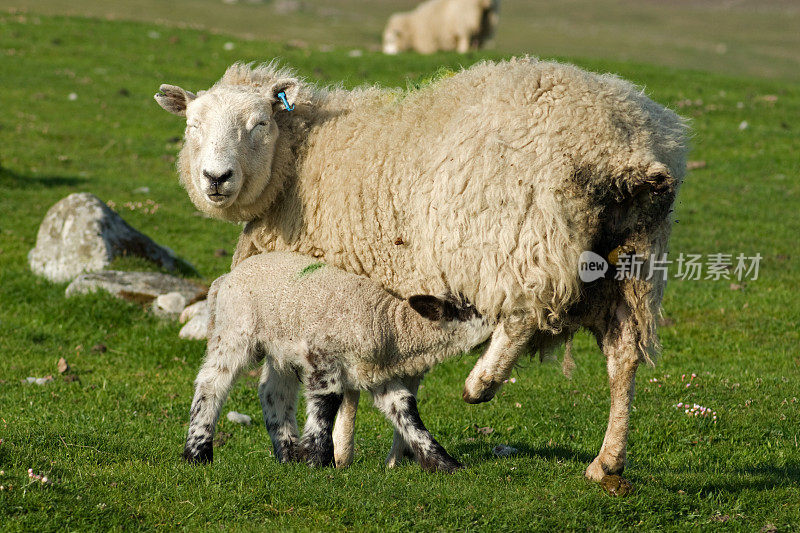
218, 179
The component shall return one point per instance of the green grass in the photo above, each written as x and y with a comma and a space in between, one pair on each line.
111, 439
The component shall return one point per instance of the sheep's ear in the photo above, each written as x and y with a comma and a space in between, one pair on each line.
284, 94
174, 99
429, 307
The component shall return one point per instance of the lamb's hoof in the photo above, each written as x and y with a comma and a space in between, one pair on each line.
395, 457
449, 467
202, 454
616, 485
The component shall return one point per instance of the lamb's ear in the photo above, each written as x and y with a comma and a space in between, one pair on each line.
174, 99
429, 307
284, 94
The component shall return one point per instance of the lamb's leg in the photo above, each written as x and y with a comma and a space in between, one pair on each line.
509, 341
277, 392
400, 407
226, 357
344, 429
620, 348
400, 449
324, 393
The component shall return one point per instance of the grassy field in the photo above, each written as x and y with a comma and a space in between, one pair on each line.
740, 38
110, 440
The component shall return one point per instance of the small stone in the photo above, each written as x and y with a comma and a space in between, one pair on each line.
171, 303
694, 165
141, 190
99, 348
239, 418
743, 125
485, 430
220, 252
355, 53
501, 450
63, 366
229, 46
72, 97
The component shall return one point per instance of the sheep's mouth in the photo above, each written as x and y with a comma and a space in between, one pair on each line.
217, 197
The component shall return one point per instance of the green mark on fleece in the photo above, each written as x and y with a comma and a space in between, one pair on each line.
311, 268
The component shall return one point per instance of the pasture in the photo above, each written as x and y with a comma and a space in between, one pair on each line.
78, 115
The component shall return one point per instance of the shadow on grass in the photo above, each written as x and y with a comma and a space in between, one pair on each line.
761, 477
483, 451
13, 180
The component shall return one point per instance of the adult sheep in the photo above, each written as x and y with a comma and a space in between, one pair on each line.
459, 25
489, 183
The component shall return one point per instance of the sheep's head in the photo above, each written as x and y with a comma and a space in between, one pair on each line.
231, 133
396, 35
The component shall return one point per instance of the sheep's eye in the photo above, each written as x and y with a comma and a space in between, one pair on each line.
262, 123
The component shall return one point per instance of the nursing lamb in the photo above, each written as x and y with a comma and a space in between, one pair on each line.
489, 183
334, 332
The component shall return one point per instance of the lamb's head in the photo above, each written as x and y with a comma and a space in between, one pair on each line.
226, 161
455, 316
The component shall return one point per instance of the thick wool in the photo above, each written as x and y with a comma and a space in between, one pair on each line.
488, 184
459, 25
335, 332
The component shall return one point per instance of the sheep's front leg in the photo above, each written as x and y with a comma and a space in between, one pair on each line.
344, 430
508, 343
324, 393
400, 449
225, 360
400, 406
277, 392
622, 358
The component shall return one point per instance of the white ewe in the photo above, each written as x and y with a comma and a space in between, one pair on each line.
489, 183
334, 332
459, 25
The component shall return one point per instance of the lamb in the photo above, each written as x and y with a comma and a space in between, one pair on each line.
335, 332
459, 25
489, 183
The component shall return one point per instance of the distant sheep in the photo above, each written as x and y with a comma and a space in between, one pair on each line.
334, 332
459, 25
489, 183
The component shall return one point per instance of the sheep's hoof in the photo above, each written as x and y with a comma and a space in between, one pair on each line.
483, 393
616, 485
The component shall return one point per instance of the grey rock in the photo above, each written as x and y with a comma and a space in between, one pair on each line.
82, 234
138, 287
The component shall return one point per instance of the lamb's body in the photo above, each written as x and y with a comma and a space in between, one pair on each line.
489, 183
335, 332
459, 25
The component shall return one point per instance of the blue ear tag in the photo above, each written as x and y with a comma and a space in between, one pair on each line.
282, 98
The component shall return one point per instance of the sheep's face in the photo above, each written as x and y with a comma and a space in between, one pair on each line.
395, 38
226, 160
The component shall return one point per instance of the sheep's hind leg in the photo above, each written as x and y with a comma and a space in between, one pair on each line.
324, 393
277, 392
619, 343
400, 406
509, 341
400, 448
225, 360
344, 429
